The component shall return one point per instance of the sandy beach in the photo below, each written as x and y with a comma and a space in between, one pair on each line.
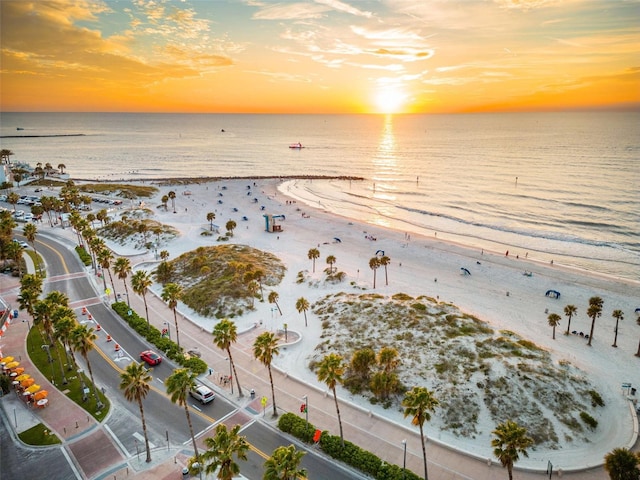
495, 290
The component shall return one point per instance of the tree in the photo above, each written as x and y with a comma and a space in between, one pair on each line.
331, 260
622, 464
134, 381
172, 293
302, 305
13, 198
569, 311
618, 315
284, 464
104, 259
82, 339
140, 282
361, 362
384, 261
122, 268
61, 167
594, 311
374, 264
554, 321
224, 334
313, 254
30, 231
330, 371
172, 196
210, 218
511, 441
230, 226
178, 385
220, 451
273, 298
417, 403
265, 347
164, 200
388, 359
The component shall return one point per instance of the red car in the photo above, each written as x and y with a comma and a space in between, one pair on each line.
150, 357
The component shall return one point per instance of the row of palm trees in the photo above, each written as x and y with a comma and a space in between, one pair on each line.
374, 263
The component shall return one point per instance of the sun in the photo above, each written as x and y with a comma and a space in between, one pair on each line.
390, 100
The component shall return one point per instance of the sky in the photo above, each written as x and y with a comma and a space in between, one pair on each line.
322, 56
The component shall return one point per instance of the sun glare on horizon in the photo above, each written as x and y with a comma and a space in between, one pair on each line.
390, 100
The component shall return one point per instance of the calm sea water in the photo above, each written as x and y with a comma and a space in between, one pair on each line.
561, 186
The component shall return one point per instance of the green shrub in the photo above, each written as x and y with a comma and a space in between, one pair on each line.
596, 399
84, 256
589, 420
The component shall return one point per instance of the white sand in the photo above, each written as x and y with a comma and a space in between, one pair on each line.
415, 265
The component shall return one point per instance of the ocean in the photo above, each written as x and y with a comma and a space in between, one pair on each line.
549, 186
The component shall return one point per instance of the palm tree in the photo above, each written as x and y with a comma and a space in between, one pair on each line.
224, 334
178, 385
172, 293
14, 252
284, 464
210, 218
569, 311
164, 200
374, 264
417, 403
172, 196
331, 260
511, 441
273, 298
313, 254
622, 464
330, 371
361, 362
13, 198
388, 359
220, 451
618, 315
135, 383
302, 305
230, 226
140, 282
554, 321
265, 347
384, 261
104, 259
30, 231
61, 167
82, 339
122, 268
594, 311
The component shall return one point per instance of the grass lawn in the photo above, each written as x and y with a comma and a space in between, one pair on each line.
39, 435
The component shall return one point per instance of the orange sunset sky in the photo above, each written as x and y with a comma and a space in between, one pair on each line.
322, 56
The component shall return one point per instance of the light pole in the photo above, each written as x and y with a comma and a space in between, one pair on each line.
230, 375
306, 408
168, 329
404, 460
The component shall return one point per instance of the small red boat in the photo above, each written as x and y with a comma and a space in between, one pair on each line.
296, 145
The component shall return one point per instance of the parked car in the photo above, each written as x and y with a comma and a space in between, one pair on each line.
150, 357
203, 394
22, 243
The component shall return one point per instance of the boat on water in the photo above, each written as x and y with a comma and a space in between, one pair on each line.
296, 145
19, 128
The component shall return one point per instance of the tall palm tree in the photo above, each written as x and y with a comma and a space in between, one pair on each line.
569, 311
172, 196
224, 334
330, 371
105, 257
331, 260
140, 282
14, 252
220, 451
313, 254
61, 167
122, 269
210, 218
30, 231
302, 305
374, 264
134, 381
265, 347
618, 315
13, 198
284, 464
172, 293
594, 311
384, 262
178, 385
230, 226
511, 441
273, 298
554, 321
622, 464
82, 341
417, 403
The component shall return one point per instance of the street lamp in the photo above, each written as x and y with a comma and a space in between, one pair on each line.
404, 461
230, 375
306, 408
168, 329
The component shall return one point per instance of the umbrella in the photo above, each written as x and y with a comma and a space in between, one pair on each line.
22, 377
7, 359
33, 388
11, 365
27, 383
40, 395
18, 371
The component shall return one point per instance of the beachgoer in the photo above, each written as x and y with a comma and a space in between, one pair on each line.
506, 254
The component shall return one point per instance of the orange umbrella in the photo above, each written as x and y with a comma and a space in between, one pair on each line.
18, 370
33, 388
41, 394
22, 377
27, 383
